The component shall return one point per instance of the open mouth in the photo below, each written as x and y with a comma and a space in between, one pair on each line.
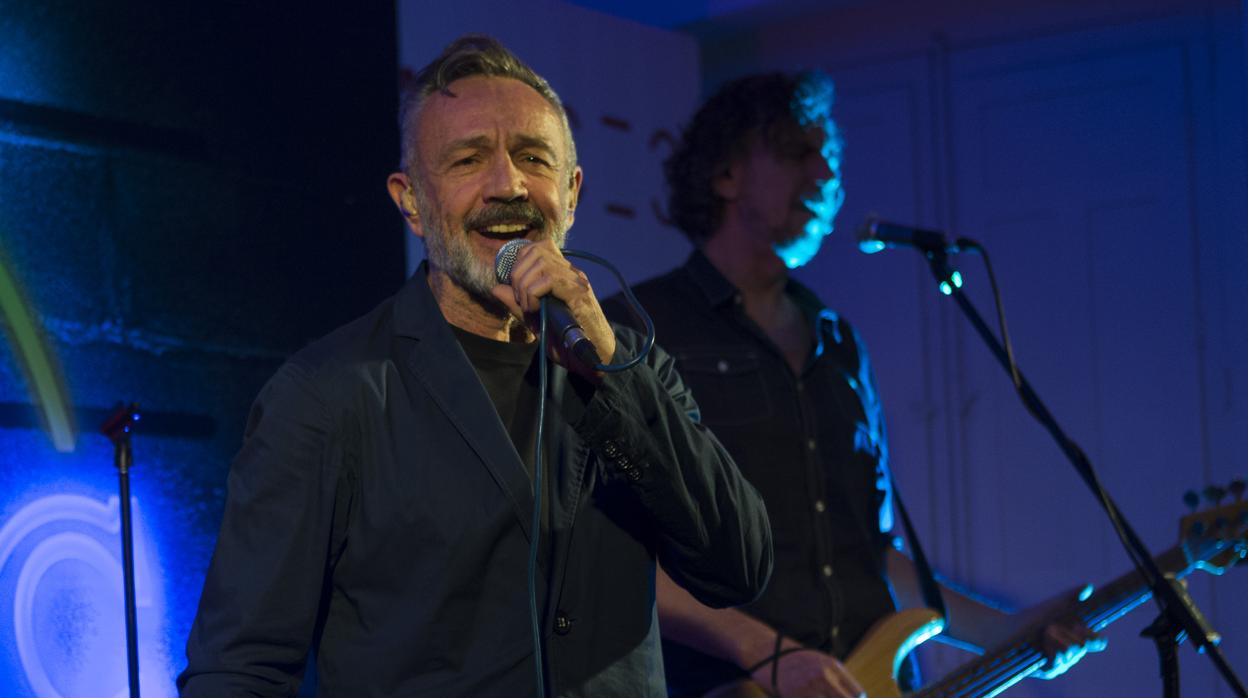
500, 222
504, 231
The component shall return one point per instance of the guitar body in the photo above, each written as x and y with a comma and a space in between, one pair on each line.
875, 661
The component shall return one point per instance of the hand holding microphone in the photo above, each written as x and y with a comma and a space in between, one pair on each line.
529, 271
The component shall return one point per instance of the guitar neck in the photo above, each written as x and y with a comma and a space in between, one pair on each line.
1003, 667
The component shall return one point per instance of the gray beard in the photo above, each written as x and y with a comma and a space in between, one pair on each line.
451, 253
454, 257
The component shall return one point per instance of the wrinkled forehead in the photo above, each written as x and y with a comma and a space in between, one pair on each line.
494, 107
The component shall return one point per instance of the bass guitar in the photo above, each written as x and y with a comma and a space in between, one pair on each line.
1211, 541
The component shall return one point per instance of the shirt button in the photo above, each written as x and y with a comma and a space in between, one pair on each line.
722, 366
810, 444
827, 570
820, 506
563, 624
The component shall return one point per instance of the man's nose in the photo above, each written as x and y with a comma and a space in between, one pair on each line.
506, 181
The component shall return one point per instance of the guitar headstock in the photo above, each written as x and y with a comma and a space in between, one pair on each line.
1216, 538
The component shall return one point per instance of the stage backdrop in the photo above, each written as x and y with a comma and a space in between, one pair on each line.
188, 193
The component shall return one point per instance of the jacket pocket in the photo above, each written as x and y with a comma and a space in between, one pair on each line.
727, 383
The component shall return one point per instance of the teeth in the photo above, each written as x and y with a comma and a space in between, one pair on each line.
507, 228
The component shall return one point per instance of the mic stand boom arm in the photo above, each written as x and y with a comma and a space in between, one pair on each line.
1180, 612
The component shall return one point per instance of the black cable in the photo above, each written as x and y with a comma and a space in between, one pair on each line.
968, 245
538, 488
536, 535
634, 306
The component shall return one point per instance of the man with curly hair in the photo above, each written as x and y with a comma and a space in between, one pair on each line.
786, 384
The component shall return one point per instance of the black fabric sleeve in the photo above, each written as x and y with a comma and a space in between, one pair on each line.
258, 612
714, 538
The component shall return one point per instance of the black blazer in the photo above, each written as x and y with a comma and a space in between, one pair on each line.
379, 513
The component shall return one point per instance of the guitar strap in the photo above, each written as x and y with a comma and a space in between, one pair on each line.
927, 580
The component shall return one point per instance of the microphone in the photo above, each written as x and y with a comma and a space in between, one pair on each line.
560, 319
876, 235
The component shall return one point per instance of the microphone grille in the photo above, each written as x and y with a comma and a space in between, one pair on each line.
506, 259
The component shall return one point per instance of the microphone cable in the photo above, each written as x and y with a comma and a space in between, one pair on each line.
538, 488
973, 246
543, 380
634, 306
1125, 534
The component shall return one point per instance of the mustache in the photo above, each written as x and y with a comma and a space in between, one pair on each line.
524, 212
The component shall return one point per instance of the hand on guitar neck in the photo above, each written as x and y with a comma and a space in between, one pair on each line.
1064, 640
978, 626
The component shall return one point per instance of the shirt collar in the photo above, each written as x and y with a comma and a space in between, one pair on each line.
718, 290
714, 286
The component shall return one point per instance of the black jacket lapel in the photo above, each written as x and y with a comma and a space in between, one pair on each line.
441, 366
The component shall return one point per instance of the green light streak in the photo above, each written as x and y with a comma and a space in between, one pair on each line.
47, 390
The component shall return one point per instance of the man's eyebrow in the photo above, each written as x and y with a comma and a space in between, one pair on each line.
482, 142
471, 143
523, 141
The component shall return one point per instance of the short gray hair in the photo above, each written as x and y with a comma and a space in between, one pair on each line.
467, 56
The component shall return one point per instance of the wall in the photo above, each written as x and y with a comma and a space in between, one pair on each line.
188, 192
1097, 150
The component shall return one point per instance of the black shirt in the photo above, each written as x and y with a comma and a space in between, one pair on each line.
812, 444
509, 375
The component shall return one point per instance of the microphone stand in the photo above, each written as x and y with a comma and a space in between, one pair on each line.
117, 428
1179, 614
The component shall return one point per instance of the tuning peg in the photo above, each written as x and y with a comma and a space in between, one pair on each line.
1237, 488
1191, 499
1214, 494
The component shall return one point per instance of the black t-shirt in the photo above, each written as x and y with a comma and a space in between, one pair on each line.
509, 374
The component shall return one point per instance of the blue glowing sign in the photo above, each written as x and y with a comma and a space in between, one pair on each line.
60, 564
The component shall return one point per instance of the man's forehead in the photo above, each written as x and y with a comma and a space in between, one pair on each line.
784, 139
480, 103
789, 131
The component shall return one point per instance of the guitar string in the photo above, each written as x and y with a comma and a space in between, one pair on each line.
1006, 666
984, 679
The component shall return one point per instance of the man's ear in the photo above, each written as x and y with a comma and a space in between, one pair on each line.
574, 191
727, 182
404, 197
